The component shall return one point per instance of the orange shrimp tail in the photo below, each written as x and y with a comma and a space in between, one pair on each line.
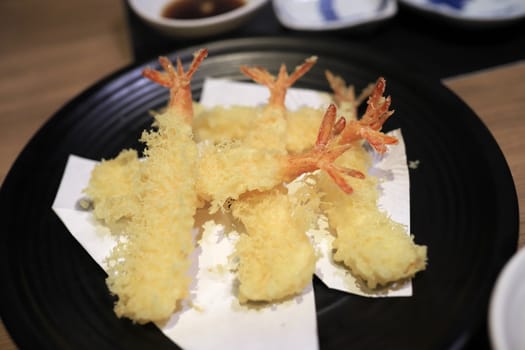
178, 82
326, 129
301, 70
378, 140
346, 93
369, 126
377, 111
280, 84
342, 92
323, 154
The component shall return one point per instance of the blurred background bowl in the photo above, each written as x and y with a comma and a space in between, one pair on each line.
507, 306
321, 15
151, 11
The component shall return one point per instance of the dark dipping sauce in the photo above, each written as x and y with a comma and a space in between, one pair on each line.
194, 9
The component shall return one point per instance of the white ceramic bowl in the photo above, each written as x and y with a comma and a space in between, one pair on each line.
319, 15
151, 12
479, 12
507, 306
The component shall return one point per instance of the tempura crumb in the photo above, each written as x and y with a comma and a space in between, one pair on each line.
112, 188
276, 258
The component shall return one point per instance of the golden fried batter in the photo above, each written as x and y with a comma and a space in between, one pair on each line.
276, 258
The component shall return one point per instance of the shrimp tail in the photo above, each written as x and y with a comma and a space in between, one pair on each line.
369, 126
324, 154
378, 140
280, 84
345, 94
377, 112
178, 82
342, 92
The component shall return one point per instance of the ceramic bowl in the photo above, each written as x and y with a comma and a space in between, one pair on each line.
507, 306
471, 12
320, 15
151, 11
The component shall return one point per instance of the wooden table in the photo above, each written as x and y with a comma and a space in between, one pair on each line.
50, 51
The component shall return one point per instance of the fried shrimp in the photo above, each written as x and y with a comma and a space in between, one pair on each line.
276, 258
368, 241
270, 127
373, 246
148, 270
227, 171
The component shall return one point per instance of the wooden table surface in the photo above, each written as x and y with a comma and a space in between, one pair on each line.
52, 50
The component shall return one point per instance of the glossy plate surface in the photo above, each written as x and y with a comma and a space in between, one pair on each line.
463, 206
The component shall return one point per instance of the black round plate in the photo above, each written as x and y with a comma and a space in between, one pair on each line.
463, 207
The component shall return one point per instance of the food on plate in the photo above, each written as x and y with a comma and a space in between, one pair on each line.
276, 258
221, 124
228, 170
368, 241
270, 127
240, 161
112, 189
148, 269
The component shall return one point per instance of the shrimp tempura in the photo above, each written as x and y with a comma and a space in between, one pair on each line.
276, 258
270, 128
368, 241
373, 246
227, 171
148, 269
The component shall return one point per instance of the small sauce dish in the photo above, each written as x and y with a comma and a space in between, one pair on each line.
195, 18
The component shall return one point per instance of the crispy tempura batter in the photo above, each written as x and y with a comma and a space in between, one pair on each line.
303, 126
112, 189
368, 241
223, 124
148, 269
229, 169
276, 258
